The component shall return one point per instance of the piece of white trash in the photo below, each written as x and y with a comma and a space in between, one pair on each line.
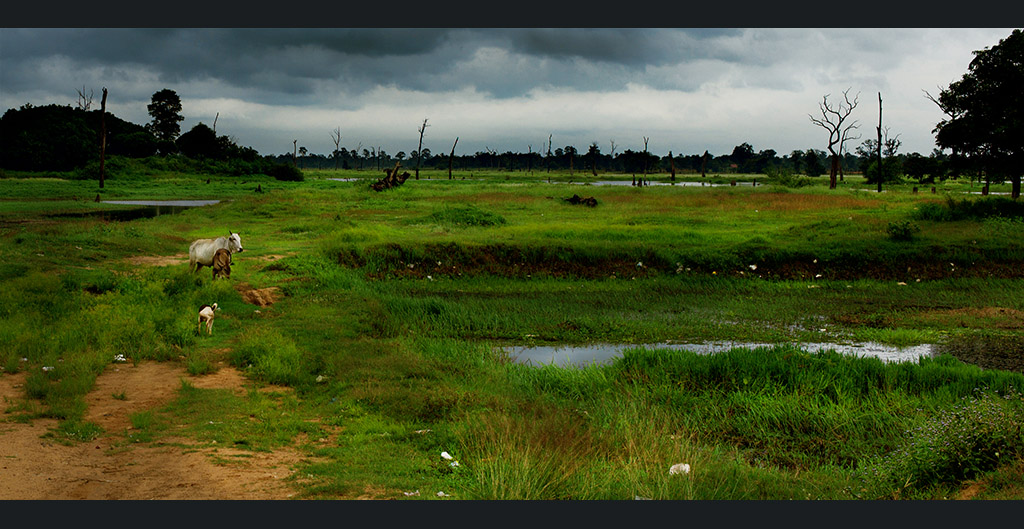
679, 468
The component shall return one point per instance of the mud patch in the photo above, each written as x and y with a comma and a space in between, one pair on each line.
985, 317
262, 297
988, 352
158, 260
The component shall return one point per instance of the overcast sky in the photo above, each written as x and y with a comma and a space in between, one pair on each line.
687, 90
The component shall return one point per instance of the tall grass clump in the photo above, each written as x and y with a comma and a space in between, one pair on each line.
270, 356
466, 216
958, 443
970, 209
538, 457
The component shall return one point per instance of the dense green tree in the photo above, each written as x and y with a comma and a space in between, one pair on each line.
200, 142
166, 111
61, 138
812, 162
985, 110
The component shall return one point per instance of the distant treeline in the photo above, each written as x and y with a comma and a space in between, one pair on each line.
743, 159
63, 138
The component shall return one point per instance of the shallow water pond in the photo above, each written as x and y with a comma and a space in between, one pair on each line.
653, 183
147, 209
580, 355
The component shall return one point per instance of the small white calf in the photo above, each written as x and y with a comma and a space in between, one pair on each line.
206, 316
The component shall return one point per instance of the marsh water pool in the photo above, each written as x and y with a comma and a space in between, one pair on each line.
145, 209
602, 353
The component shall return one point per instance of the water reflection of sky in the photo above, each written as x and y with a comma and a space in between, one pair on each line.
578, 355
180, 203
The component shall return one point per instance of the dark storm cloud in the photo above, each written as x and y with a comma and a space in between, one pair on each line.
268, 63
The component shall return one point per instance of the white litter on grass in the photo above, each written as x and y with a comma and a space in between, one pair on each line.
320, 379
47, 368
417, 493
441, 494
679, 468
753, 267
119, 358
446, 455
423, 431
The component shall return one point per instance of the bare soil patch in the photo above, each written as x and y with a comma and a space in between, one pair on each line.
158, 260
36, 467
262, 297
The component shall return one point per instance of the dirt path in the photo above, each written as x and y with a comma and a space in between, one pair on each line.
33, 467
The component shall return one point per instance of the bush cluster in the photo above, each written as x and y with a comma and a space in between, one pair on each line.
902, 230
970, 209
958, 443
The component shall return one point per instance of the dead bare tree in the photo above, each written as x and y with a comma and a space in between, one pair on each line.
103, 132
672, 165
419, 150
336, 138
84, 101
832, 120
295, 153
645, 156
529, 159
703, 163
879, 129
547, 159
451, 158
215, 123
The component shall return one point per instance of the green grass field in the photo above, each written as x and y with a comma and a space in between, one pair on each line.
395, 303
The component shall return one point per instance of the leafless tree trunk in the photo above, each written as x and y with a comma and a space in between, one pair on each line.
451, 158
295, 153
645, 156
831, 120
703, 163
672, 165
529, 159
419, 150
879, 129
547, 160
215, 123
336, 138
103, 133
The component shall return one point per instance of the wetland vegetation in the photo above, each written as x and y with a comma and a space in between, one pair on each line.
393, 308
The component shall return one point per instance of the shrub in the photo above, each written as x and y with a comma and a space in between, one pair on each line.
285, 172
958, 443
902, 230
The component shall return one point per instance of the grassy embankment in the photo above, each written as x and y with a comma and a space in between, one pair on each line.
394, 302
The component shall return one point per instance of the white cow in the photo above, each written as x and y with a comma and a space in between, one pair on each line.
201, 252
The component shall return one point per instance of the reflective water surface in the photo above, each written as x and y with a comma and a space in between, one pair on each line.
579, 355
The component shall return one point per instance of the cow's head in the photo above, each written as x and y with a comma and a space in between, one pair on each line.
234, 242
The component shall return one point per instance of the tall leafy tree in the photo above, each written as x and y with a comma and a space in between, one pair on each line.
985, 110
166, 111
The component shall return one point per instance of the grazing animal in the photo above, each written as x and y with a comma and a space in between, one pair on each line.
222, 264
206, 316
201, 252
